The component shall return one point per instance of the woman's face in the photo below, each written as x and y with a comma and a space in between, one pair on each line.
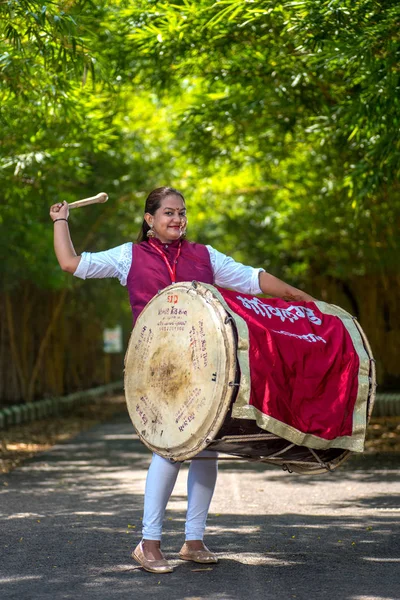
169, 221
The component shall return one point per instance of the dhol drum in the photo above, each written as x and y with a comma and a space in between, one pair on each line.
290, 385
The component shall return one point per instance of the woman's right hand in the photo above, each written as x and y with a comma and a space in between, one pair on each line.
59, 211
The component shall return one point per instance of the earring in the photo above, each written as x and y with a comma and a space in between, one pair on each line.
150, 233
184, 228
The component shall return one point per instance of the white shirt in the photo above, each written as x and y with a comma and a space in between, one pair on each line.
117, 263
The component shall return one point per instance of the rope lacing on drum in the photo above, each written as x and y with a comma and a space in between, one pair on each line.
279, 452
321, 462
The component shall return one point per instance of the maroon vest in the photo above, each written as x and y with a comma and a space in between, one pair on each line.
149, 273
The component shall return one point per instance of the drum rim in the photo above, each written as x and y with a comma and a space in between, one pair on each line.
181, 453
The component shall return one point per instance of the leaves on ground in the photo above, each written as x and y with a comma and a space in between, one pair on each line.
24, 441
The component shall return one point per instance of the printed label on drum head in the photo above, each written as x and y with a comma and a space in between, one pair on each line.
172, 319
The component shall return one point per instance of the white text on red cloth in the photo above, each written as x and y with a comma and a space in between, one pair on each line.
292, 313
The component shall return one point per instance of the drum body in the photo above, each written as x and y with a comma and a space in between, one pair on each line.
183, 377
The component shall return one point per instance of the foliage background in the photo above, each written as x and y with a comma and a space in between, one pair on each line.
279, 121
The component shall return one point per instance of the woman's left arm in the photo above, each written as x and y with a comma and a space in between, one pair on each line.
233, 275
272, 286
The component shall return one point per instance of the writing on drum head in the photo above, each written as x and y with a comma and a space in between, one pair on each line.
292, 313
175, 322
171, 310
141, 414
186, 413
156, 416
142, 347
173, 298
171, 325
198, 345
186, 422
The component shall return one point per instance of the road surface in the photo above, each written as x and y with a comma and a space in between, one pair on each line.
71, 516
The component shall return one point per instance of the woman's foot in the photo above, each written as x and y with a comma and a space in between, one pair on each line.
196, 551
149, 556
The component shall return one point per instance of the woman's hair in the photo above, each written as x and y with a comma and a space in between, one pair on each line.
153, 203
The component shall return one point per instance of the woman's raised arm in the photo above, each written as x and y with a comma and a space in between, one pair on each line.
63, 246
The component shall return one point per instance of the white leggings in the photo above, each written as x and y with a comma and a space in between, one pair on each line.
160, 482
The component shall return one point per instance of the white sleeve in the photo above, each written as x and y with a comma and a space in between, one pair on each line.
233, 275
109, 263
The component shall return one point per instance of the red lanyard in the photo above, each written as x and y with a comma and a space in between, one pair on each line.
171, 270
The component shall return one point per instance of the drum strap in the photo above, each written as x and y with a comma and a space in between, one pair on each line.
171, 270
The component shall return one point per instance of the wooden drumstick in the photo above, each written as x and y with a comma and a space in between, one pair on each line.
99, 198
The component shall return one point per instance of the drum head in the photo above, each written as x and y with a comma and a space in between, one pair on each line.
179, 369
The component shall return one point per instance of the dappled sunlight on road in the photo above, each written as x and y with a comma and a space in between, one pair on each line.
71, 517
256, 558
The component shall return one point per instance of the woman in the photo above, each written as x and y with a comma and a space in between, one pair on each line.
160, 257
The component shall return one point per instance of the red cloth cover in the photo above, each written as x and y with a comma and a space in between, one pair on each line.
303, 365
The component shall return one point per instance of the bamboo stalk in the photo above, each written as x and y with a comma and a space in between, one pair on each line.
43, 344
13, 343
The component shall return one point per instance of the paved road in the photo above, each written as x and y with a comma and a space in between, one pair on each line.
70, 517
